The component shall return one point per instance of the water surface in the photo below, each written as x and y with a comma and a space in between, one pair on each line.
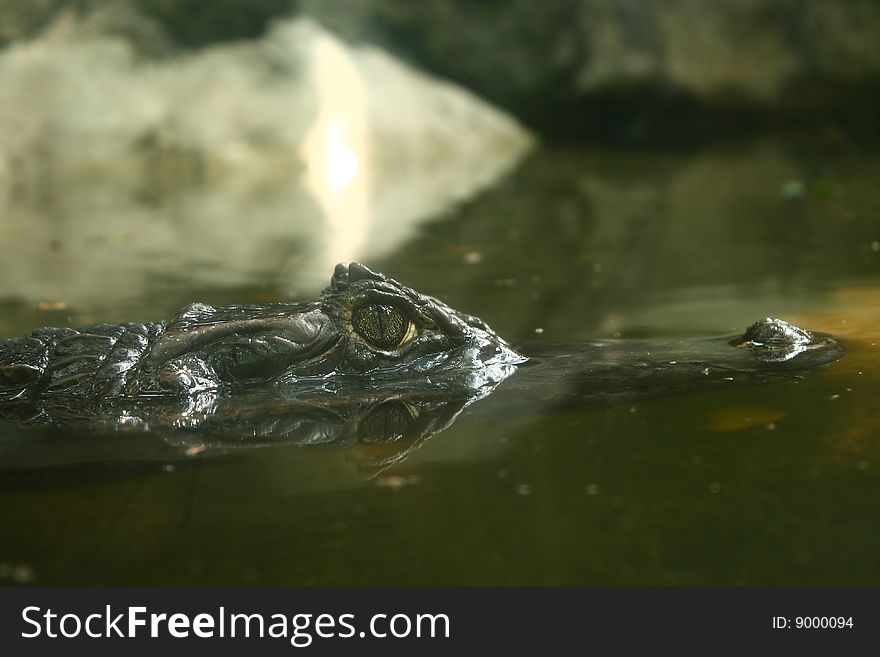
760, 485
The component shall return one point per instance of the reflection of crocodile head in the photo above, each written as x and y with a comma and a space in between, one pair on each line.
370, 365
377, 426
364, 326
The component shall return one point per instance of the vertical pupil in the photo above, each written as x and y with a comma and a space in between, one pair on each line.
381, 324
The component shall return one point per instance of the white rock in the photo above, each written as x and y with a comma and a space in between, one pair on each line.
233, 165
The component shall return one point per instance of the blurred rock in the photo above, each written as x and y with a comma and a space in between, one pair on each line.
152, 26
226, 165
604, 69
548, 61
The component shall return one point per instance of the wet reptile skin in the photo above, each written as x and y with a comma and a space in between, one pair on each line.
368, 362
364, 326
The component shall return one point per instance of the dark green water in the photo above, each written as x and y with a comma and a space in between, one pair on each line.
765, 485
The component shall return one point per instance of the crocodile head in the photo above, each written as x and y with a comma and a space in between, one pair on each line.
364, 327
776, 342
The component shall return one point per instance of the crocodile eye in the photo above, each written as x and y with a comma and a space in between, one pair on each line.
383, 325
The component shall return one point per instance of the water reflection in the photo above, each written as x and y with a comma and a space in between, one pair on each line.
604, 243
377, 426
251, 164
381, 423
721, 487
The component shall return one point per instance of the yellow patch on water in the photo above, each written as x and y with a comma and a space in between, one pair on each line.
396, 482
739, 418
47, 306
848, 417
851, 312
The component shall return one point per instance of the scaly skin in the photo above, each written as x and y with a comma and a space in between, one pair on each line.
364, 326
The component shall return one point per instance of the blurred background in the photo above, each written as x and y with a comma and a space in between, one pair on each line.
153, 149
566, 169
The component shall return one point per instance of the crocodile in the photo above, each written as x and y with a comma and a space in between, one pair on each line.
364, 326
370, 361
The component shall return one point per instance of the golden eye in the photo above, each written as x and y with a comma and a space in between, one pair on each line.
383, 325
